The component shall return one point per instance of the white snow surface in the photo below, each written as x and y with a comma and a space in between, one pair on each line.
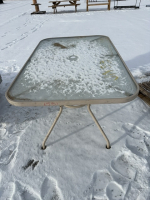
75, 165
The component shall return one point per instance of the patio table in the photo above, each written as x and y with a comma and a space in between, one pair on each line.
73, 72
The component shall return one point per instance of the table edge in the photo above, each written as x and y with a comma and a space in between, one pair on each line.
73, 102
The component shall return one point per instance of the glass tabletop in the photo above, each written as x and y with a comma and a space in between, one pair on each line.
73, 69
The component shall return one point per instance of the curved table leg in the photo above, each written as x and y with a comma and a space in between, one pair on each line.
108, 143
43, 144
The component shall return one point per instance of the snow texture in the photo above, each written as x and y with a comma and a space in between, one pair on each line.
73, 68
75, 165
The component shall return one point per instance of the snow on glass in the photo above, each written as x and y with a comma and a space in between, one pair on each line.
74, 68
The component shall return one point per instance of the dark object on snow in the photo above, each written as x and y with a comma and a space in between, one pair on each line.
147, 5
144, 98
144, 93
120, 7
34, 164
145, 88
1, 1
30, 162
37, 10
0, 79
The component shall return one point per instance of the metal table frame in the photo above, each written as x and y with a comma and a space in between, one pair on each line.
91, 113
71, 103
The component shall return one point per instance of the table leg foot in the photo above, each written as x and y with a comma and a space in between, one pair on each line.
49, 132
104, 135
43, 148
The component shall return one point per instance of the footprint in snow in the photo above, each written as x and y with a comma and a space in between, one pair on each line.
114, 191
7, 192
144, 195
135, 132
96, 190
147, 142
137, 147
2, 130
124, 165
50, 190
132, 191
132, 165
24, 192
8, 153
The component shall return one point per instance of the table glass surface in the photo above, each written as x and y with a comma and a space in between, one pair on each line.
73, 68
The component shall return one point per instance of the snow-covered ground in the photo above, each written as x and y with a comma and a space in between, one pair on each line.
75, 165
